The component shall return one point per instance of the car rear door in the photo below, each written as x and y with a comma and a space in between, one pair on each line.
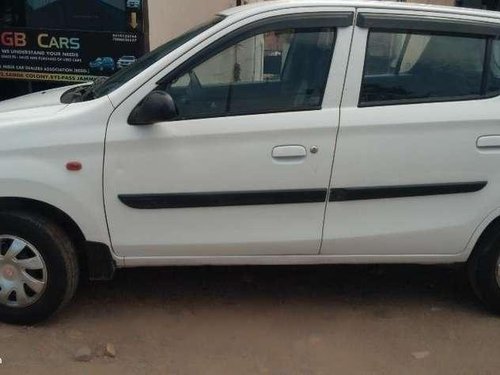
411, 177
245, 168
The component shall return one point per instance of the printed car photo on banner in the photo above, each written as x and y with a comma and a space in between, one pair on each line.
70, 40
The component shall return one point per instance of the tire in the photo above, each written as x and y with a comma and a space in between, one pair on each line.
58, 269
482, 269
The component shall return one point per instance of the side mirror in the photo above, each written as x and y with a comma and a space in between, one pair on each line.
156, 107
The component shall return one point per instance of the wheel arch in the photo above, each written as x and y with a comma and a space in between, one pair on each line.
95, 258
56, 214
489, 226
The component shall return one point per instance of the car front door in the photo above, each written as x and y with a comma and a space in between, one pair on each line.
245, 166
417, 158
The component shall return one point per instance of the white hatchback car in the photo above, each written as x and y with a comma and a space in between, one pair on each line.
125, 61
134, 4
371, 136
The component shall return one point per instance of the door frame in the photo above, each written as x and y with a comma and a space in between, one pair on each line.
331, 99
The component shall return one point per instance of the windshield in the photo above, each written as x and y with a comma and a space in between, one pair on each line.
127, 73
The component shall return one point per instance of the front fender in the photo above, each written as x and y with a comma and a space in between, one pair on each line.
69, 195
33, 158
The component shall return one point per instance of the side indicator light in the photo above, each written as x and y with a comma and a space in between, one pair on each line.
73, 166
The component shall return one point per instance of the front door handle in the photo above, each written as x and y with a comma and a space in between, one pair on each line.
289, 152
488, 141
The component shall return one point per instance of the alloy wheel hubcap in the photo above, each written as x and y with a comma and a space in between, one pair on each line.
23, 273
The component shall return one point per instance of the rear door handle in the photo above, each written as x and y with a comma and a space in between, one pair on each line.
289, 152
488, 141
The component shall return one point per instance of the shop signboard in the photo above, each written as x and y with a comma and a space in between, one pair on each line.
70, 40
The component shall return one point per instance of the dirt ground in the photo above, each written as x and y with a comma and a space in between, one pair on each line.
266, 320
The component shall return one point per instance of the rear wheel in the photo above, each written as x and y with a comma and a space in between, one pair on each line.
38, 268
484, 271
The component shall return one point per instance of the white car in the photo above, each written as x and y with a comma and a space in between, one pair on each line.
378, 142
133, 4
125, 61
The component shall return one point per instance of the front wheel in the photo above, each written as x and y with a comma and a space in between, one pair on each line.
38, 268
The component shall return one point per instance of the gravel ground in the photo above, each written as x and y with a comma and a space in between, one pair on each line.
266, 320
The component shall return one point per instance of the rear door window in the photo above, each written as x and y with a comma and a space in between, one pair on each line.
493, 85
412, 67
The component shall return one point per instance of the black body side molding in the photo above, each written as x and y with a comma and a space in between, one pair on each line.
249, 198
383, 192
100, 262
253, 198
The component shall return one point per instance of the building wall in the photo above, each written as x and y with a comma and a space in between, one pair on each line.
169, 18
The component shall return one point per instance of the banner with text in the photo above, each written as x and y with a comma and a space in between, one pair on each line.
70, 40
72, 56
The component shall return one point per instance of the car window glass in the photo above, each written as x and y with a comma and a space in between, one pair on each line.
280, 70
257, 59
413, 67
415, 46
494, 69
130, 71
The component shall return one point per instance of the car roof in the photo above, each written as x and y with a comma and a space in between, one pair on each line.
255, 8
